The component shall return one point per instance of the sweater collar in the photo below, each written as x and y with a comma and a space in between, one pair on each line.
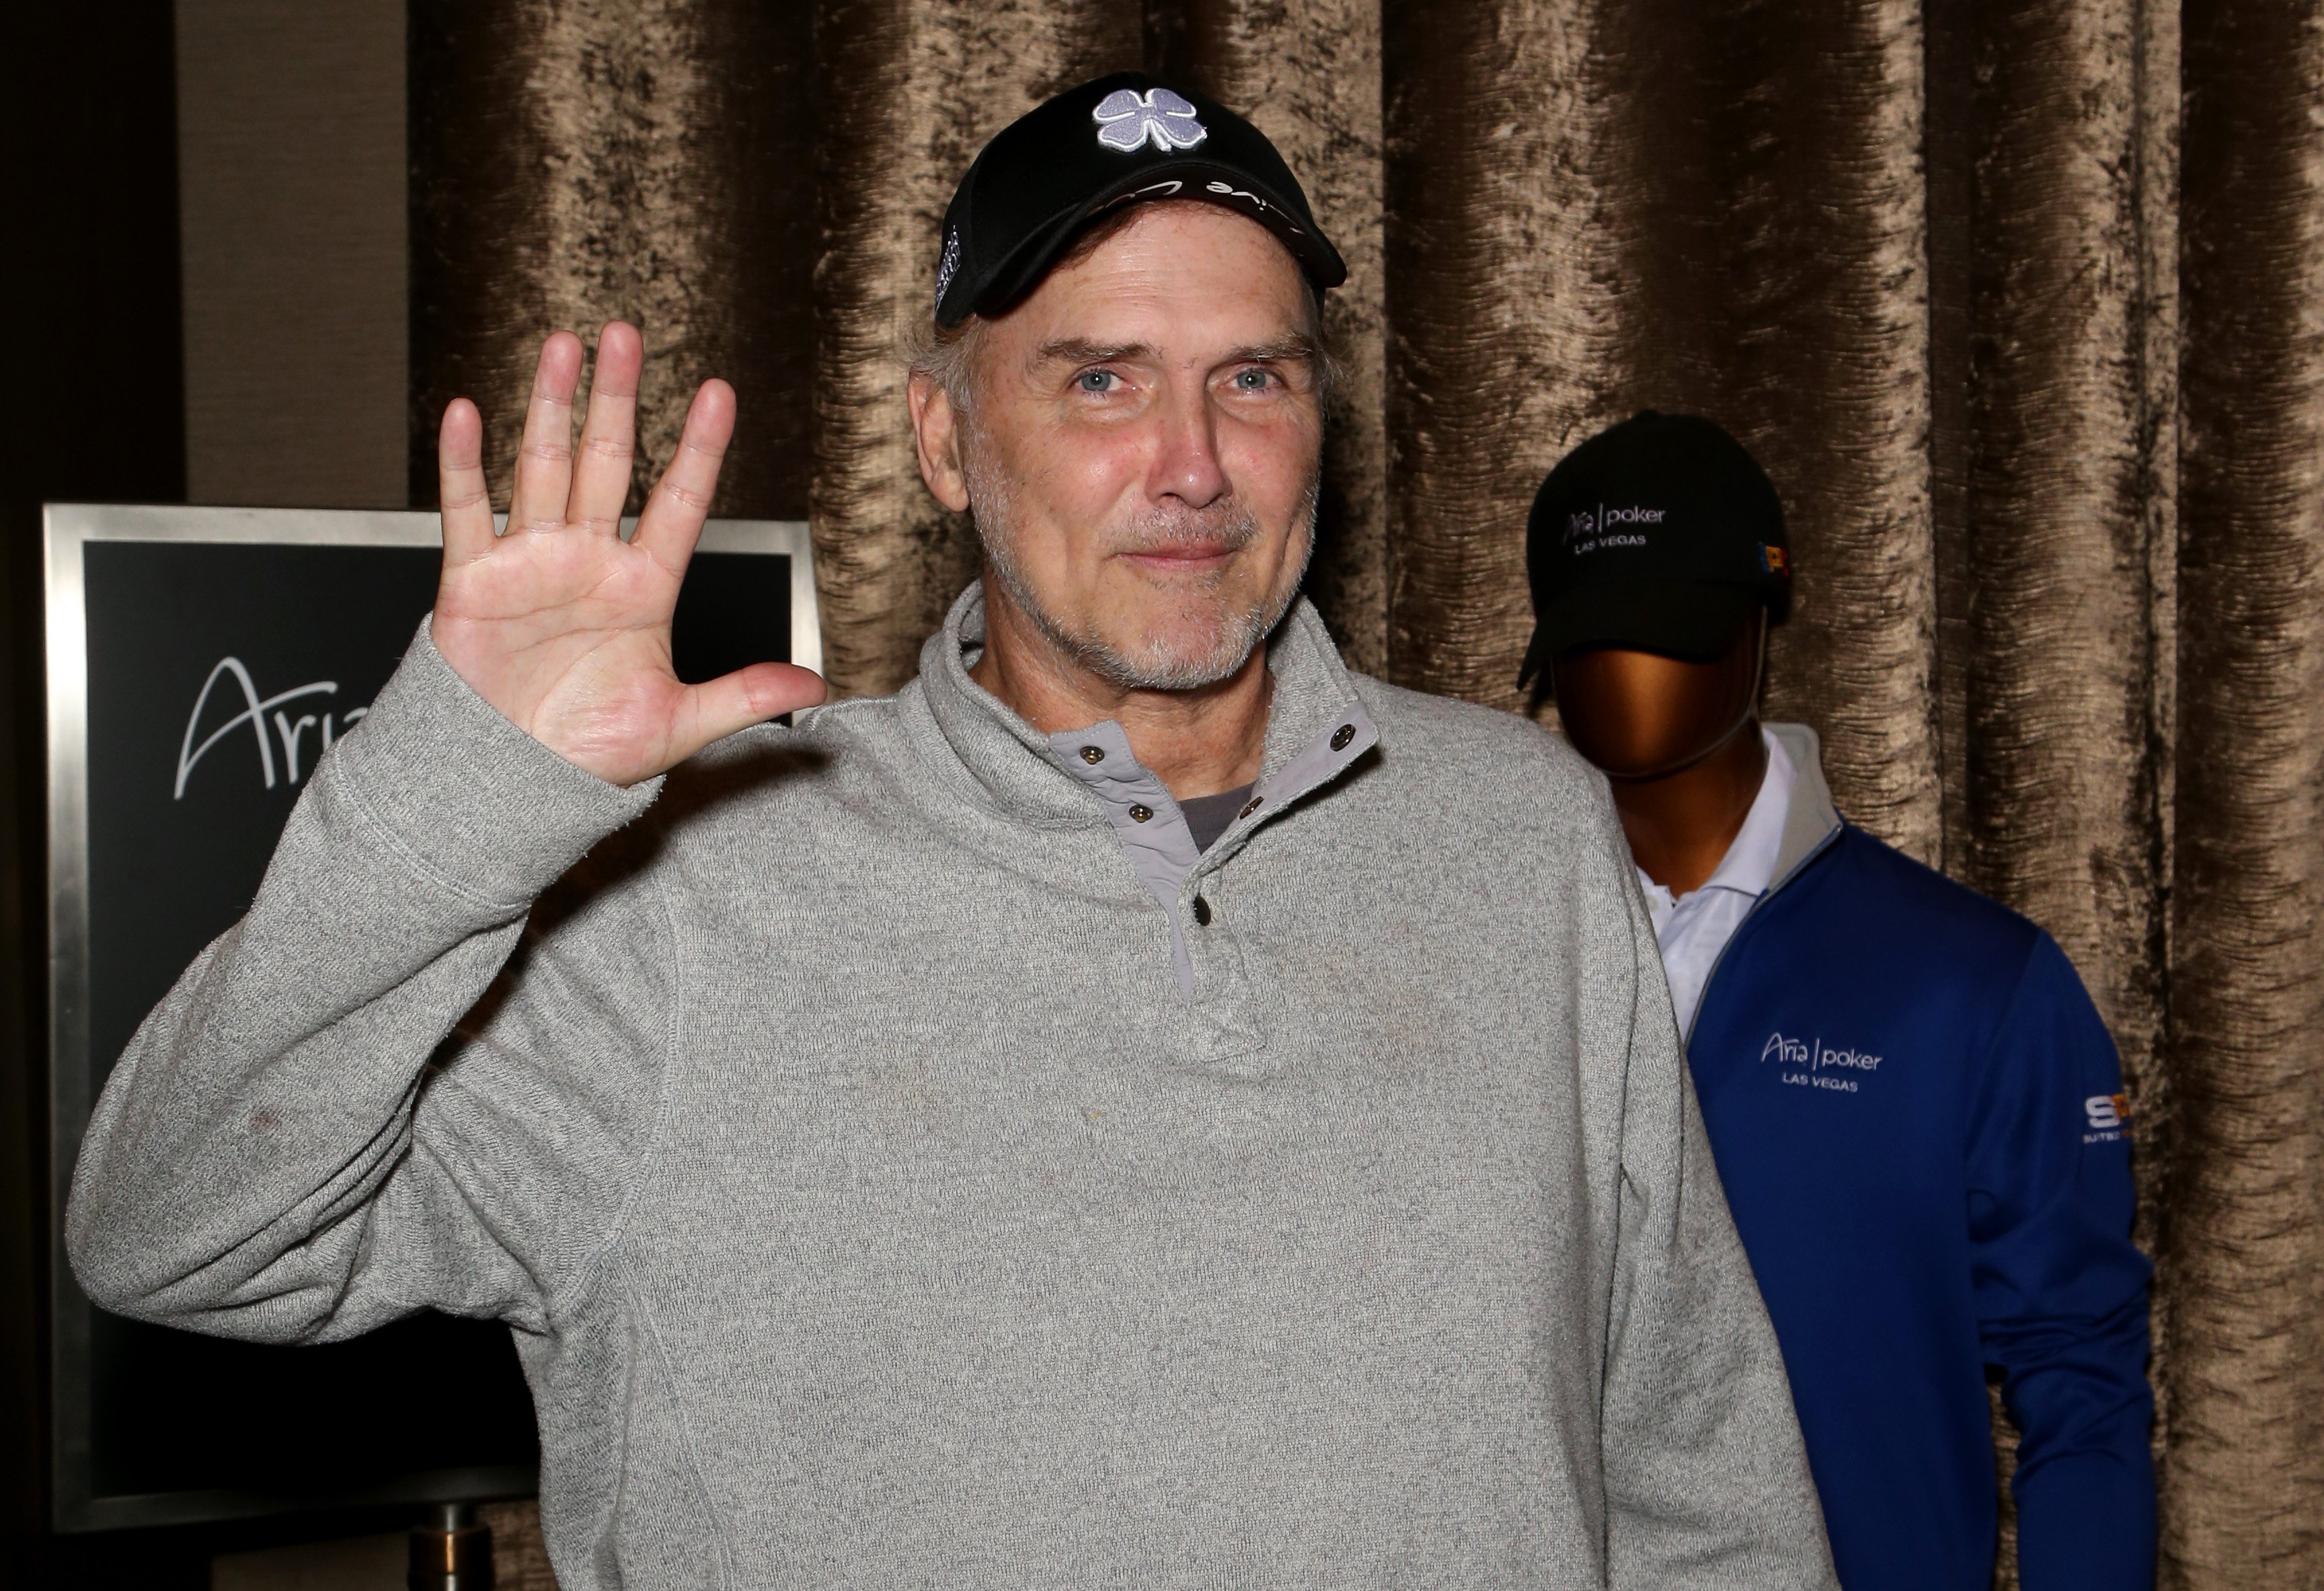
1024, 774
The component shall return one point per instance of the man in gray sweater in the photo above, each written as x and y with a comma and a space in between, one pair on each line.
1139, 1107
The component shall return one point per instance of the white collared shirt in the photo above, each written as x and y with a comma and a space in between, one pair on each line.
1693, 929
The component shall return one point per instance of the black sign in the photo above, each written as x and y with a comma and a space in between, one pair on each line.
217, 674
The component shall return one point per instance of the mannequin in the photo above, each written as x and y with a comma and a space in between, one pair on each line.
1679, 741
1917, 1112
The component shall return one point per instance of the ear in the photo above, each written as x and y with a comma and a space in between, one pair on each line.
935, 437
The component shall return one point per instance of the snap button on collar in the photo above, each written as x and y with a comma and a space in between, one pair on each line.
1252, 806
1341, 736
1093, 755
1140, 813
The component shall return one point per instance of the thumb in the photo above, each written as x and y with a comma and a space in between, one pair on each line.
719, 707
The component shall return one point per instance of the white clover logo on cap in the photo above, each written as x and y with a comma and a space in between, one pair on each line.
947, 267
1128, 121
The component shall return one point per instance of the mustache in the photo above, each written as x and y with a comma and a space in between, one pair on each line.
1222, 526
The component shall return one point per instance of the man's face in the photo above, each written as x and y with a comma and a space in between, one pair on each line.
1143, 446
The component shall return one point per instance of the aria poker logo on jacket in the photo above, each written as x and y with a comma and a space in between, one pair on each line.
1808, 1063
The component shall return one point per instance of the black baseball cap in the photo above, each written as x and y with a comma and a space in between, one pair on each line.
1121, 139
1660, 534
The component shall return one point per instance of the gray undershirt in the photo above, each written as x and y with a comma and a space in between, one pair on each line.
1207, 816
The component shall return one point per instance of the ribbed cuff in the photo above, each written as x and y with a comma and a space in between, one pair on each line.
465, 794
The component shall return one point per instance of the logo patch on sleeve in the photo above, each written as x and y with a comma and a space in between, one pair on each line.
2109, 1118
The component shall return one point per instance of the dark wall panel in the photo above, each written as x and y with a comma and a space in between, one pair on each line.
90, 407
293, 251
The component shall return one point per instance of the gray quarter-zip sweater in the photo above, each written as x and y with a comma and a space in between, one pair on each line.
894, 1178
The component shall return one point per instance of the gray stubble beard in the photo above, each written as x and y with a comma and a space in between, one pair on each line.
993, 506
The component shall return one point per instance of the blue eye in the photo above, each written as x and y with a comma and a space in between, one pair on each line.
1253, 381
1095, 380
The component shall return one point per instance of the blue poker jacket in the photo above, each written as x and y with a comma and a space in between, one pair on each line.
1918, 1117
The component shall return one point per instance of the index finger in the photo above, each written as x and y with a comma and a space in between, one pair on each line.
463, 496
672, 521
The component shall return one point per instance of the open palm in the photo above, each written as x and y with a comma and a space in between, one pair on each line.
558, 622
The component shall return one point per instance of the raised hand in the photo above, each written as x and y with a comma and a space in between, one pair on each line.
559, 623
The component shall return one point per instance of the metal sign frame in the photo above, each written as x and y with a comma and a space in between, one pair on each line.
67, 528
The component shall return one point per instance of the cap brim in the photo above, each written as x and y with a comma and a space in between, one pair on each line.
1186, 178
1693, 621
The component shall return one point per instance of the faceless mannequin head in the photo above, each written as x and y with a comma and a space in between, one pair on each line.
1658, 541
1639, 715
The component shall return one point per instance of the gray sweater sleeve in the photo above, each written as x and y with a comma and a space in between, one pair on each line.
305, 1139
1706, 1476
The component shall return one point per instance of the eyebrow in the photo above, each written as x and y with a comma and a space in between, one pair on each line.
1297, 345
1082, 351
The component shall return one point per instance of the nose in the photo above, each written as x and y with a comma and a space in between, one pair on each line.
1187, 465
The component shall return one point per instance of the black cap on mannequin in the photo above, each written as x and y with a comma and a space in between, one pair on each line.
1653, 641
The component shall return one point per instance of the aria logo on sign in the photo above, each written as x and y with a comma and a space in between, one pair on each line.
284, 729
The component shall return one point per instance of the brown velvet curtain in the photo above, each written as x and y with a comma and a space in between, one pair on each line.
2021, 304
